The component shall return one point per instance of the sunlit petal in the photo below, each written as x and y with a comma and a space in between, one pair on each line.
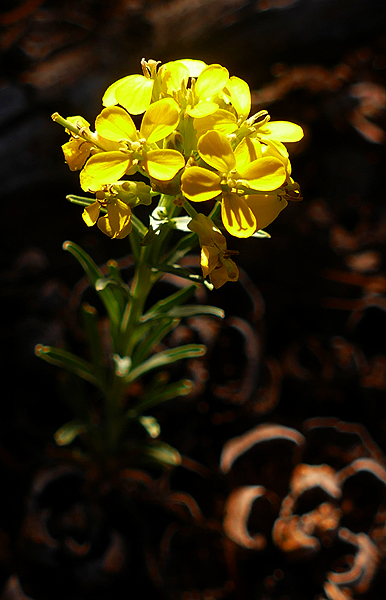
237, 217
246, 152
209, 259
76, 151
134, 93
119, 215
240, 96
114, 123
103, 168
195, 67
160, 119
91, 213
200, 184
285, 131
221, 120
109, 98
202, 109
265, 207
173, 76
163, 164
215, 149
264, 174
211, 81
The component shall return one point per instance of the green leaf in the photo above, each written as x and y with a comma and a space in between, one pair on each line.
191, 310
261, 234
138, 226
183, 387
164, 305
182, 247
67, 360
163, 453
166, 357
152, 338
149, 237
94, 274
68, 432
181, 272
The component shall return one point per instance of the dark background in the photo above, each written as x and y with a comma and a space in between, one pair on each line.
321, 277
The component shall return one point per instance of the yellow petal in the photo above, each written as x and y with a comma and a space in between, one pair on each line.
108, 98
76, 151
134, 93
91, 213
105, 227
200, 184
246, 152
240, 96
173, 75
237, 217
160, 119
211, 81
215, 149
264, 174
163, 164
227, 272
265, 207
119, 217
209, 259
202, 109
285, 131
207, 232
195, 67
221, 120
103, 168
114, 123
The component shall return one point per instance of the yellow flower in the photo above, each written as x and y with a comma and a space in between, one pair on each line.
133, 92
208, 85
132, 148
215, 258
117, 199
246, 167
117, 223
77, 150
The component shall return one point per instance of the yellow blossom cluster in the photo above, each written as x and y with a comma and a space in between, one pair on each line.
195, 138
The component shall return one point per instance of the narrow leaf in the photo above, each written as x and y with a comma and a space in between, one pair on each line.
166, 392
190, 310
154, 337
94, 274
163, 453
166, 357
164, 305
66, 360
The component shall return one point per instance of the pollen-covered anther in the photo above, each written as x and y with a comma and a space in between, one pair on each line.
137, 146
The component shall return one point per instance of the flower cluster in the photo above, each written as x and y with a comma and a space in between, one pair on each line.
196, 142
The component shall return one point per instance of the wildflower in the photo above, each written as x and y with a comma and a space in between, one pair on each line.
215, 258
117, 199
235, 171
77, 150
132, 148
133, 92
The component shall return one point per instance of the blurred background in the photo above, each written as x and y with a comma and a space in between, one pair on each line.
307, 320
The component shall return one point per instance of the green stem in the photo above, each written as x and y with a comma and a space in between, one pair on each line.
190, 210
